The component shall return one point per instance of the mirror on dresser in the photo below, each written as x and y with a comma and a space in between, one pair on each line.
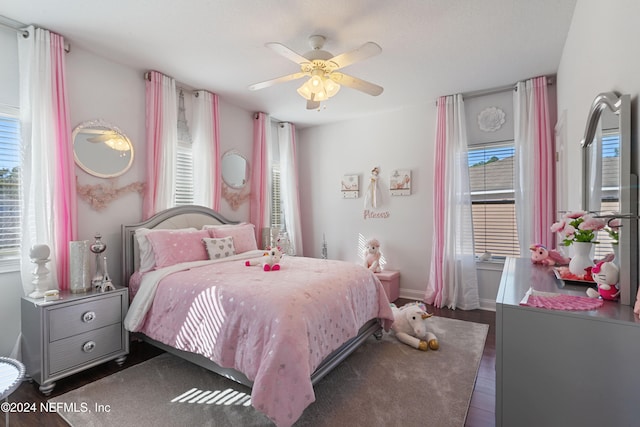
609, 182
102, 149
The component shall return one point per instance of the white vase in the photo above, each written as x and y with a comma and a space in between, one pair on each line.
581, 258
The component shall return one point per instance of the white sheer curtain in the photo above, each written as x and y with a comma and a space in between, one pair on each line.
595, 173
162, 142
534, 182
48, 182
206, 150
453, 280
289, 185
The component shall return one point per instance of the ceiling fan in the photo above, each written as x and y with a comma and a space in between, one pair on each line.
321, 67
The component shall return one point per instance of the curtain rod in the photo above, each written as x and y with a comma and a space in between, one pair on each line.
501, 89
25, 33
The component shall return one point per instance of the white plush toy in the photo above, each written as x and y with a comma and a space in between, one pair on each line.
269, 260
410, 327
372, 255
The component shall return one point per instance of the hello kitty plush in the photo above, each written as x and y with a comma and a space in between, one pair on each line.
605, 274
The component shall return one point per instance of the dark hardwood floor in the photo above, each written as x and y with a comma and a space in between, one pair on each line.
481, 411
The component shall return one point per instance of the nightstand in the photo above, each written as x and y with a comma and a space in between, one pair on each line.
73, 333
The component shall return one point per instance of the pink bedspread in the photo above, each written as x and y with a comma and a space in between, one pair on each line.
275, 327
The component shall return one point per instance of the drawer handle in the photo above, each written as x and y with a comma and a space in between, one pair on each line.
89, 316
88, 346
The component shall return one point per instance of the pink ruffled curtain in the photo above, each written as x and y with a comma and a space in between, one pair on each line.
206, 150
534, 180
259, 201
65, 202
453, 278
162, 140
48, 185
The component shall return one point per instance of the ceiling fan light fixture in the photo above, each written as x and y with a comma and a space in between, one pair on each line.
331, 87
305, 90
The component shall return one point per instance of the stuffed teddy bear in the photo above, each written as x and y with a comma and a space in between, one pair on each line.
269, 260
605, 274
541, 255
372, 255
410, 327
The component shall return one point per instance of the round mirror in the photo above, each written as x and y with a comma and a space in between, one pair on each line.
234, 169
101, 149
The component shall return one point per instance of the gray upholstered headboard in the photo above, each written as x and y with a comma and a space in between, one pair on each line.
173, 218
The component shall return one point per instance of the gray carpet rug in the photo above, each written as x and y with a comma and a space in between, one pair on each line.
383, 383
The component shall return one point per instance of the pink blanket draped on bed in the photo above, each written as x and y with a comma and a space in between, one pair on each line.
275, 327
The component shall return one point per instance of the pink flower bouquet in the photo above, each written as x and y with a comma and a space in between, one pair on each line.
578, 226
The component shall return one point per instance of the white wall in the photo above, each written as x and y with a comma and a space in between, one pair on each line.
100, 88
599, 56
401, 139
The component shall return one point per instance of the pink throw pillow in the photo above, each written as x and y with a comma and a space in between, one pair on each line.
172, 247
244, 236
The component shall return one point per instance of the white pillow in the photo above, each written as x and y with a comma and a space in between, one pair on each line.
147, 256
219, 248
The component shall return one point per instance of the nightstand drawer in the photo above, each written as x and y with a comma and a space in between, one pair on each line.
79, 318
79, 349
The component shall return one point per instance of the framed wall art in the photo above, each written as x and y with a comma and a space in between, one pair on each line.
350, 187
400, 182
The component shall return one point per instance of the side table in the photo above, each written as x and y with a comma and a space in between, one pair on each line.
391, 283
11, 375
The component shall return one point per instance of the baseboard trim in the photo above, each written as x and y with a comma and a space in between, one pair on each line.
412, 294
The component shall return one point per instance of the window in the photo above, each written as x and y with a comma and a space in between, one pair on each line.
184, 158
492, 197
9, 183
184, 174
610, 187
276, 199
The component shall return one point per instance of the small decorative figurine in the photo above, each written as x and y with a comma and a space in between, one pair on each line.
106, 284
40, 256
98, 247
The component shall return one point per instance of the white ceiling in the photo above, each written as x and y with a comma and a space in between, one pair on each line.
429, 47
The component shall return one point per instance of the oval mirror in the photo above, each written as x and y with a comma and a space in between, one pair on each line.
234, 169
101, 149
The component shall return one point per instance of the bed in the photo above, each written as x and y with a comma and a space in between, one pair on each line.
278, 332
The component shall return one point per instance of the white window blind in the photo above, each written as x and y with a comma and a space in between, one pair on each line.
276, 200
184, 174
184, 158
491, 172
9, 185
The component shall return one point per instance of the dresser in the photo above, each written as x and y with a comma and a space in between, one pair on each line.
73, 333
563, 368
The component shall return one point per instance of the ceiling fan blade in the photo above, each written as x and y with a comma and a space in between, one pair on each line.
287, 53
356, 83
313, 105
365, 51
272, 82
